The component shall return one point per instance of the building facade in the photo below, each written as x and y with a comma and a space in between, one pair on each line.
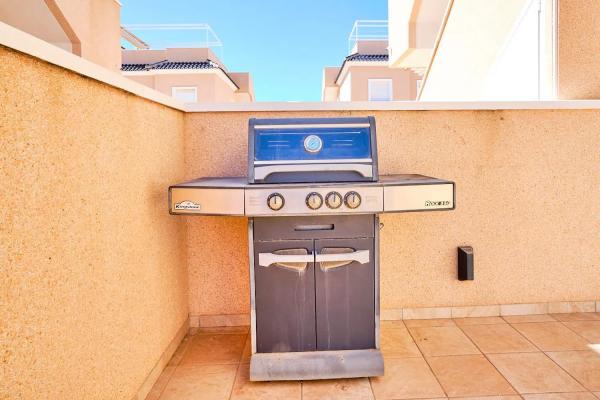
90, 29
365, 75
189, 74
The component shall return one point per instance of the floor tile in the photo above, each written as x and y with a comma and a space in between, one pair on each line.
583, 365
396, 324
516, 319
161, 383
223, 330
247, 352
499, 338
577, 316
337, 389
534, 373
552, 336
244, 389
179, 352
560, 396
511, 397
588, 329
414, 323
443, 341
214, 349
479, 321
469, 376
397, 343
406, 378
200, 382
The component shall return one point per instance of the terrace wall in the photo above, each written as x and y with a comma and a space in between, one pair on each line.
527, 201
93, 283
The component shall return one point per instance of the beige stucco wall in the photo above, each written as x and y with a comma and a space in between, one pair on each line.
93, 286
527, 201
210, 87
578, 49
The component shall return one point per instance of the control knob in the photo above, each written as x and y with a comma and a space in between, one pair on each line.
333, 200
275, 201
314, 201
352, 199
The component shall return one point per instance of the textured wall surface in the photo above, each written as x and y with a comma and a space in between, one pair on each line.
578, 49
528, 183
93, 285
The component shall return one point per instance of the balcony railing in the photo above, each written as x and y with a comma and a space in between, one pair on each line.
367, 30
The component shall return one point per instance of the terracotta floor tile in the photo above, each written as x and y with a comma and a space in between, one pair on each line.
397, 343
223, 330
479, 321
577, 316
560, 396
247, 352
443, 341
499, 338
552, 336
161, 383
414, 323
244, 389
583, 365
406, 378
517, 319
214, 349
181, 349
534, 373
511, 397
469, 376
337, 389
588, 329
396, 324
200, 382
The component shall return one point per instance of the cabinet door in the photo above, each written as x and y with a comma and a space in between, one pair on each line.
284, 277
345, 294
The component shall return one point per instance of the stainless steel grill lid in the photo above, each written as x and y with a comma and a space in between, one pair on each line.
312, 150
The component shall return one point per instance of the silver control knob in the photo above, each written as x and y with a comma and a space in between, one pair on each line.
275, 201
314, 201
333, 200
352, 199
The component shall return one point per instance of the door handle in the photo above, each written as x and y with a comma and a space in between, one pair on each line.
360, 256
267, 259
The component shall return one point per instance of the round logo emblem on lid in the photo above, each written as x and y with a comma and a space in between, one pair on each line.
313, 144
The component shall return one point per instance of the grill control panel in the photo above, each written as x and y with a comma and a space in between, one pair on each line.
313, 200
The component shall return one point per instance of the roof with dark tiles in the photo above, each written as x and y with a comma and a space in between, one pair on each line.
165, 64
367, 57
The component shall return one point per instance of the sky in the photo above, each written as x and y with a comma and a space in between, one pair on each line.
283, 44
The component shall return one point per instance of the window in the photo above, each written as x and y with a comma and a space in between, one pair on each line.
187, 94
380, 89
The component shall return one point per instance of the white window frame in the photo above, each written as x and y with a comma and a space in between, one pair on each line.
391, 89
174, 89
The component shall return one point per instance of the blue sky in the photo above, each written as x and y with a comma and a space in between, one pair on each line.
284, 44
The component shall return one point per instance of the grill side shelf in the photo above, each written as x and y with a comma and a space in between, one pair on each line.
236, 197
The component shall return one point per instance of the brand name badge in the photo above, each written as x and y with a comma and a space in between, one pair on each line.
187, 205
436, 203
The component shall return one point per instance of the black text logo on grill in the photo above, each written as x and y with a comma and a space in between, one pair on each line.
436, 203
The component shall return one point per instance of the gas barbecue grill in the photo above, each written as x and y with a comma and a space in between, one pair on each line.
313, 195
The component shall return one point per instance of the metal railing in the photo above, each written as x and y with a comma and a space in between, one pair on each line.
156, 36
367, 30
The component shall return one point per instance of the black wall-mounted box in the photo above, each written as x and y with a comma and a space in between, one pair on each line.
466, 264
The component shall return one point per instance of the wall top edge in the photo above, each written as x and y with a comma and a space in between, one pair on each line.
393, 106
25, 43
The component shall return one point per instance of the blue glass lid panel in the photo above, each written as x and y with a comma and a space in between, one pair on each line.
288, 144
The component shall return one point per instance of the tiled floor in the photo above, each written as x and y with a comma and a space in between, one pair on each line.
535, 357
